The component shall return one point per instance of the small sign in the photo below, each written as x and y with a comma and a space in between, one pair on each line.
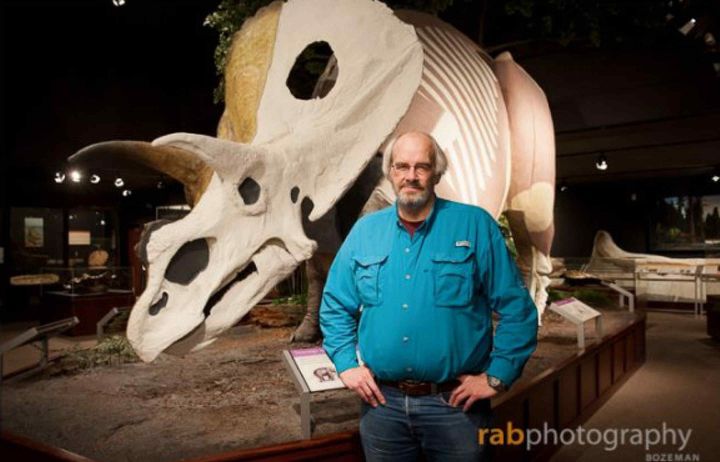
316, 369
578, 313
79, 238
574, 310
34, 232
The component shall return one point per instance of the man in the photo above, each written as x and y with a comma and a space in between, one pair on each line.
411, 292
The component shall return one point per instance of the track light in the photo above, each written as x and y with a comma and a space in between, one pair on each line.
59, 177
75, 176
119, 182
94, 179
601, 162
685, 29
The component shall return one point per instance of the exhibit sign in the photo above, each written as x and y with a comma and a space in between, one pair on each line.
578, 313
574, 310
79, 238
34, 232
316, 369
312, 370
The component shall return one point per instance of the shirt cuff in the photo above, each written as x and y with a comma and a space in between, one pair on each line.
503, 370
345, 359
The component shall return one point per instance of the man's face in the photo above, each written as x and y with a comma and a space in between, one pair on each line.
411, 171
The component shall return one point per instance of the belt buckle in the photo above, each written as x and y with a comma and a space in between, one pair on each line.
417, 388
408, 386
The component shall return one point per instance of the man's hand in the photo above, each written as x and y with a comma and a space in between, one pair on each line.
471, 389
361, 381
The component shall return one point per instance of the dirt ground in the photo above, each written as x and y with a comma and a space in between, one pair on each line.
234, 394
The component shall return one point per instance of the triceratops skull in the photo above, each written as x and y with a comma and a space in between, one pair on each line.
244, 233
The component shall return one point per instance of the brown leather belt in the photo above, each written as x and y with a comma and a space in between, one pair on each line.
415, 388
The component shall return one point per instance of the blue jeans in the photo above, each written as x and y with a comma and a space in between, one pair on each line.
408, 425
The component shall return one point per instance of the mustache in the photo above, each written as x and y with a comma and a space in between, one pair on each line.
412, 184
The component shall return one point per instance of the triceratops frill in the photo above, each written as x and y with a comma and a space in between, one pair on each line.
275, 152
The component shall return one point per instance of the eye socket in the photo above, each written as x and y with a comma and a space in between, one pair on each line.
314, 73
188, 262
249, 190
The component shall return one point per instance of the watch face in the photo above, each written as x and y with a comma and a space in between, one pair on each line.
494, 382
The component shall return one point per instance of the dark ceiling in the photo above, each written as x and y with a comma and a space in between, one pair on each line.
79, 72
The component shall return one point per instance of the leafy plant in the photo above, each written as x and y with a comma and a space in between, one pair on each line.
112, 350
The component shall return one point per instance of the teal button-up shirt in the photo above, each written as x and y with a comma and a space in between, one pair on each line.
420, 308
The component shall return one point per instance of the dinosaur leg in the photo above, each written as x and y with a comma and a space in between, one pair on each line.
532, 263
316, 269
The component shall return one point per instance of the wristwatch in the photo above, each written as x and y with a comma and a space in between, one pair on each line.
496, 384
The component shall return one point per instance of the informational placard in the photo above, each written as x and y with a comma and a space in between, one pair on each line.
578, 313
574, 310
79, 238
34, 232
316, 369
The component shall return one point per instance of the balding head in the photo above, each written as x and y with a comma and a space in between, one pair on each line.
417, 140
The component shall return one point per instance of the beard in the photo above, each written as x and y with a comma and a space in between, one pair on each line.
413, 200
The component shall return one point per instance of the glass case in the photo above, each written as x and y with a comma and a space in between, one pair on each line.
86, 280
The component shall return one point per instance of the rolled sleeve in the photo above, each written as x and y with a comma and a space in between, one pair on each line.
516, 333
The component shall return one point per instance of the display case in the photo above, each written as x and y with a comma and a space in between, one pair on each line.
87, 280
88, 293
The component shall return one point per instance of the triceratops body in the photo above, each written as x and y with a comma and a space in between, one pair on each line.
276, 155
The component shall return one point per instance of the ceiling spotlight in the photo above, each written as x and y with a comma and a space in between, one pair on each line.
601, 162
119, 183
76, 176
687, 27
94, 179
563, 187
160, 184
118, 2
59, 177
715, 178
127, 193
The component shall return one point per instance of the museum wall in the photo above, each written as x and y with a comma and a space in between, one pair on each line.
627, 210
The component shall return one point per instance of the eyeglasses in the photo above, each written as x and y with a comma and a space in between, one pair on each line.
421, 169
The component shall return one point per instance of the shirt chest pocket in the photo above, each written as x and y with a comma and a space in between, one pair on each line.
367, 278
453, 277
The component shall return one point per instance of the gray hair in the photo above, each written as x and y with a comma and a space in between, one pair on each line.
437, 157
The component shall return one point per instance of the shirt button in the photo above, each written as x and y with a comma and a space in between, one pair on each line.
408, 369
405, 339
404, 306
407, 276
407, 249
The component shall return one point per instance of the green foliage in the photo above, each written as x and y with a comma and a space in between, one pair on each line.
300, 299
505, 228
112, 350
592, 297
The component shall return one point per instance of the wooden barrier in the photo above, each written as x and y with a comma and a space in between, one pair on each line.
561, 397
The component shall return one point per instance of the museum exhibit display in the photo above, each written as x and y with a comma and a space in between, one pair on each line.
88, 293
654, 277
169, 275
276, 152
